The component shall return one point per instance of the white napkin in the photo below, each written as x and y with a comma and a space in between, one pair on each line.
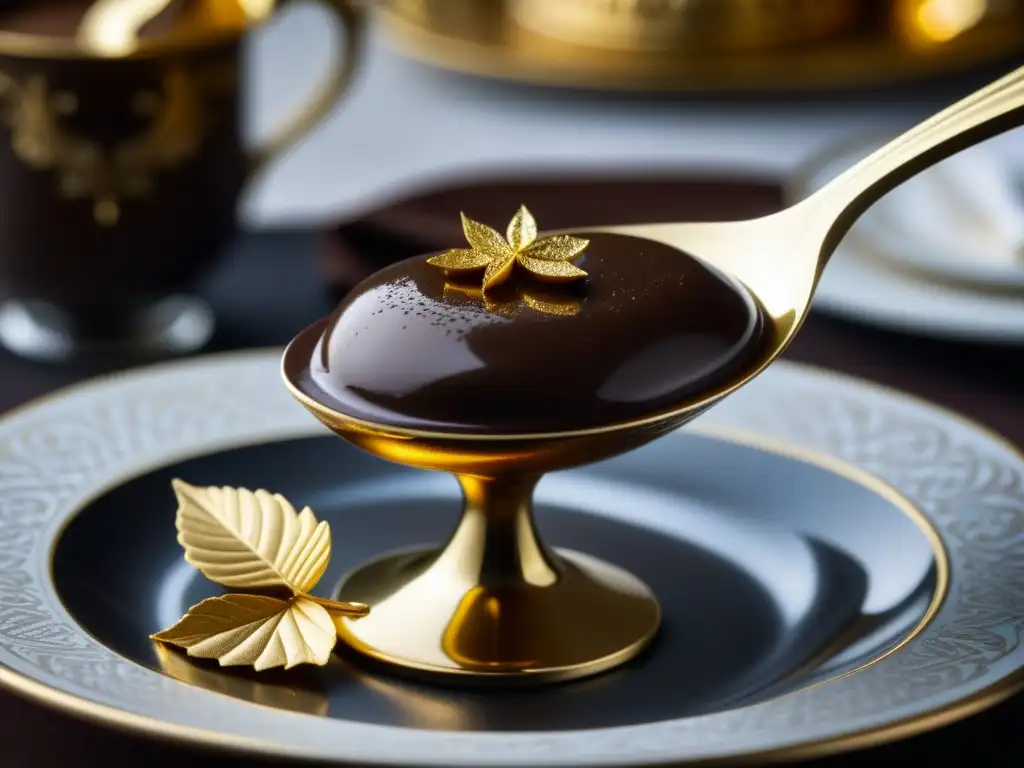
966, 211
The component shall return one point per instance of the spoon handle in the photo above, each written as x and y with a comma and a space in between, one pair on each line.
994, 109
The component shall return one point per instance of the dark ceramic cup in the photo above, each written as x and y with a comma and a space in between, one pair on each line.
121, 166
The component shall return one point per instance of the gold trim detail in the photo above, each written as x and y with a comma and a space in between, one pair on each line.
177, 119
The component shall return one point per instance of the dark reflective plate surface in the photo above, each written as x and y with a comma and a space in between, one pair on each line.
773, 574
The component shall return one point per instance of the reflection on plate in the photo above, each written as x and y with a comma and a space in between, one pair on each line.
481, 37
297, 691
812, 536
960, 222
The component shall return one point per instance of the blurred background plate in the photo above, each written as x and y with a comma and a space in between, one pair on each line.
913, 274
698, 46
858, 288
961, 222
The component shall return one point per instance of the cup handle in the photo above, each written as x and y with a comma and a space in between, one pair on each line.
351, 23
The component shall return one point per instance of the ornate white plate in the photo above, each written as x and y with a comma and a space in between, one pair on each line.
901, 521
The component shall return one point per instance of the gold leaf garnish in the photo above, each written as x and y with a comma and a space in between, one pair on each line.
239, 538
557, 248
522, 230
499, 270
263, 632
547, 259
461, 260
481, 237
255, 540
554, 271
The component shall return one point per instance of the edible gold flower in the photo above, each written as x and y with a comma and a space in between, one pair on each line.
549, 259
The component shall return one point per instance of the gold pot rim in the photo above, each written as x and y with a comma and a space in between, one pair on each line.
196, 33
481, 44
711, 25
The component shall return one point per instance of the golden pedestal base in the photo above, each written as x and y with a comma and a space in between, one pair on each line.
495, 604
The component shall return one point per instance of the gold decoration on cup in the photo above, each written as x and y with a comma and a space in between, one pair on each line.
177, 124
255, 541
548, 259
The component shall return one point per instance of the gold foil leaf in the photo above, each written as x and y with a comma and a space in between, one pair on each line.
251, 540
557, 248
483, 238
522, 230
499, 270
547, 259
461, 260
255, 630
255, 540
553, 271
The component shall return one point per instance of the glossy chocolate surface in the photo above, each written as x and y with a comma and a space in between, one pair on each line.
650, 328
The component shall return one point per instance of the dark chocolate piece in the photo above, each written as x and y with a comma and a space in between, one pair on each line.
651, 328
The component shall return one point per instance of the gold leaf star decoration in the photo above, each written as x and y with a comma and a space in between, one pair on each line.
549, 259
255, 541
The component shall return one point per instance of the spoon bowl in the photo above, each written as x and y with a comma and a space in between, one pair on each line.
495, 603
483, 453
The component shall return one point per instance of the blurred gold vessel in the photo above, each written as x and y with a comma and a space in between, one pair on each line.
707, 45
694, 24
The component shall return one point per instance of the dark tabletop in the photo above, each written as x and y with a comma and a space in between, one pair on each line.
273, 284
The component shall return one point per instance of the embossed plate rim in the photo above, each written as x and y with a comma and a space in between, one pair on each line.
196, 401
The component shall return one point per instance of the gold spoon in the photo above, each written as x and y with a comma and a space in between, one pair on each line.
495, 603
